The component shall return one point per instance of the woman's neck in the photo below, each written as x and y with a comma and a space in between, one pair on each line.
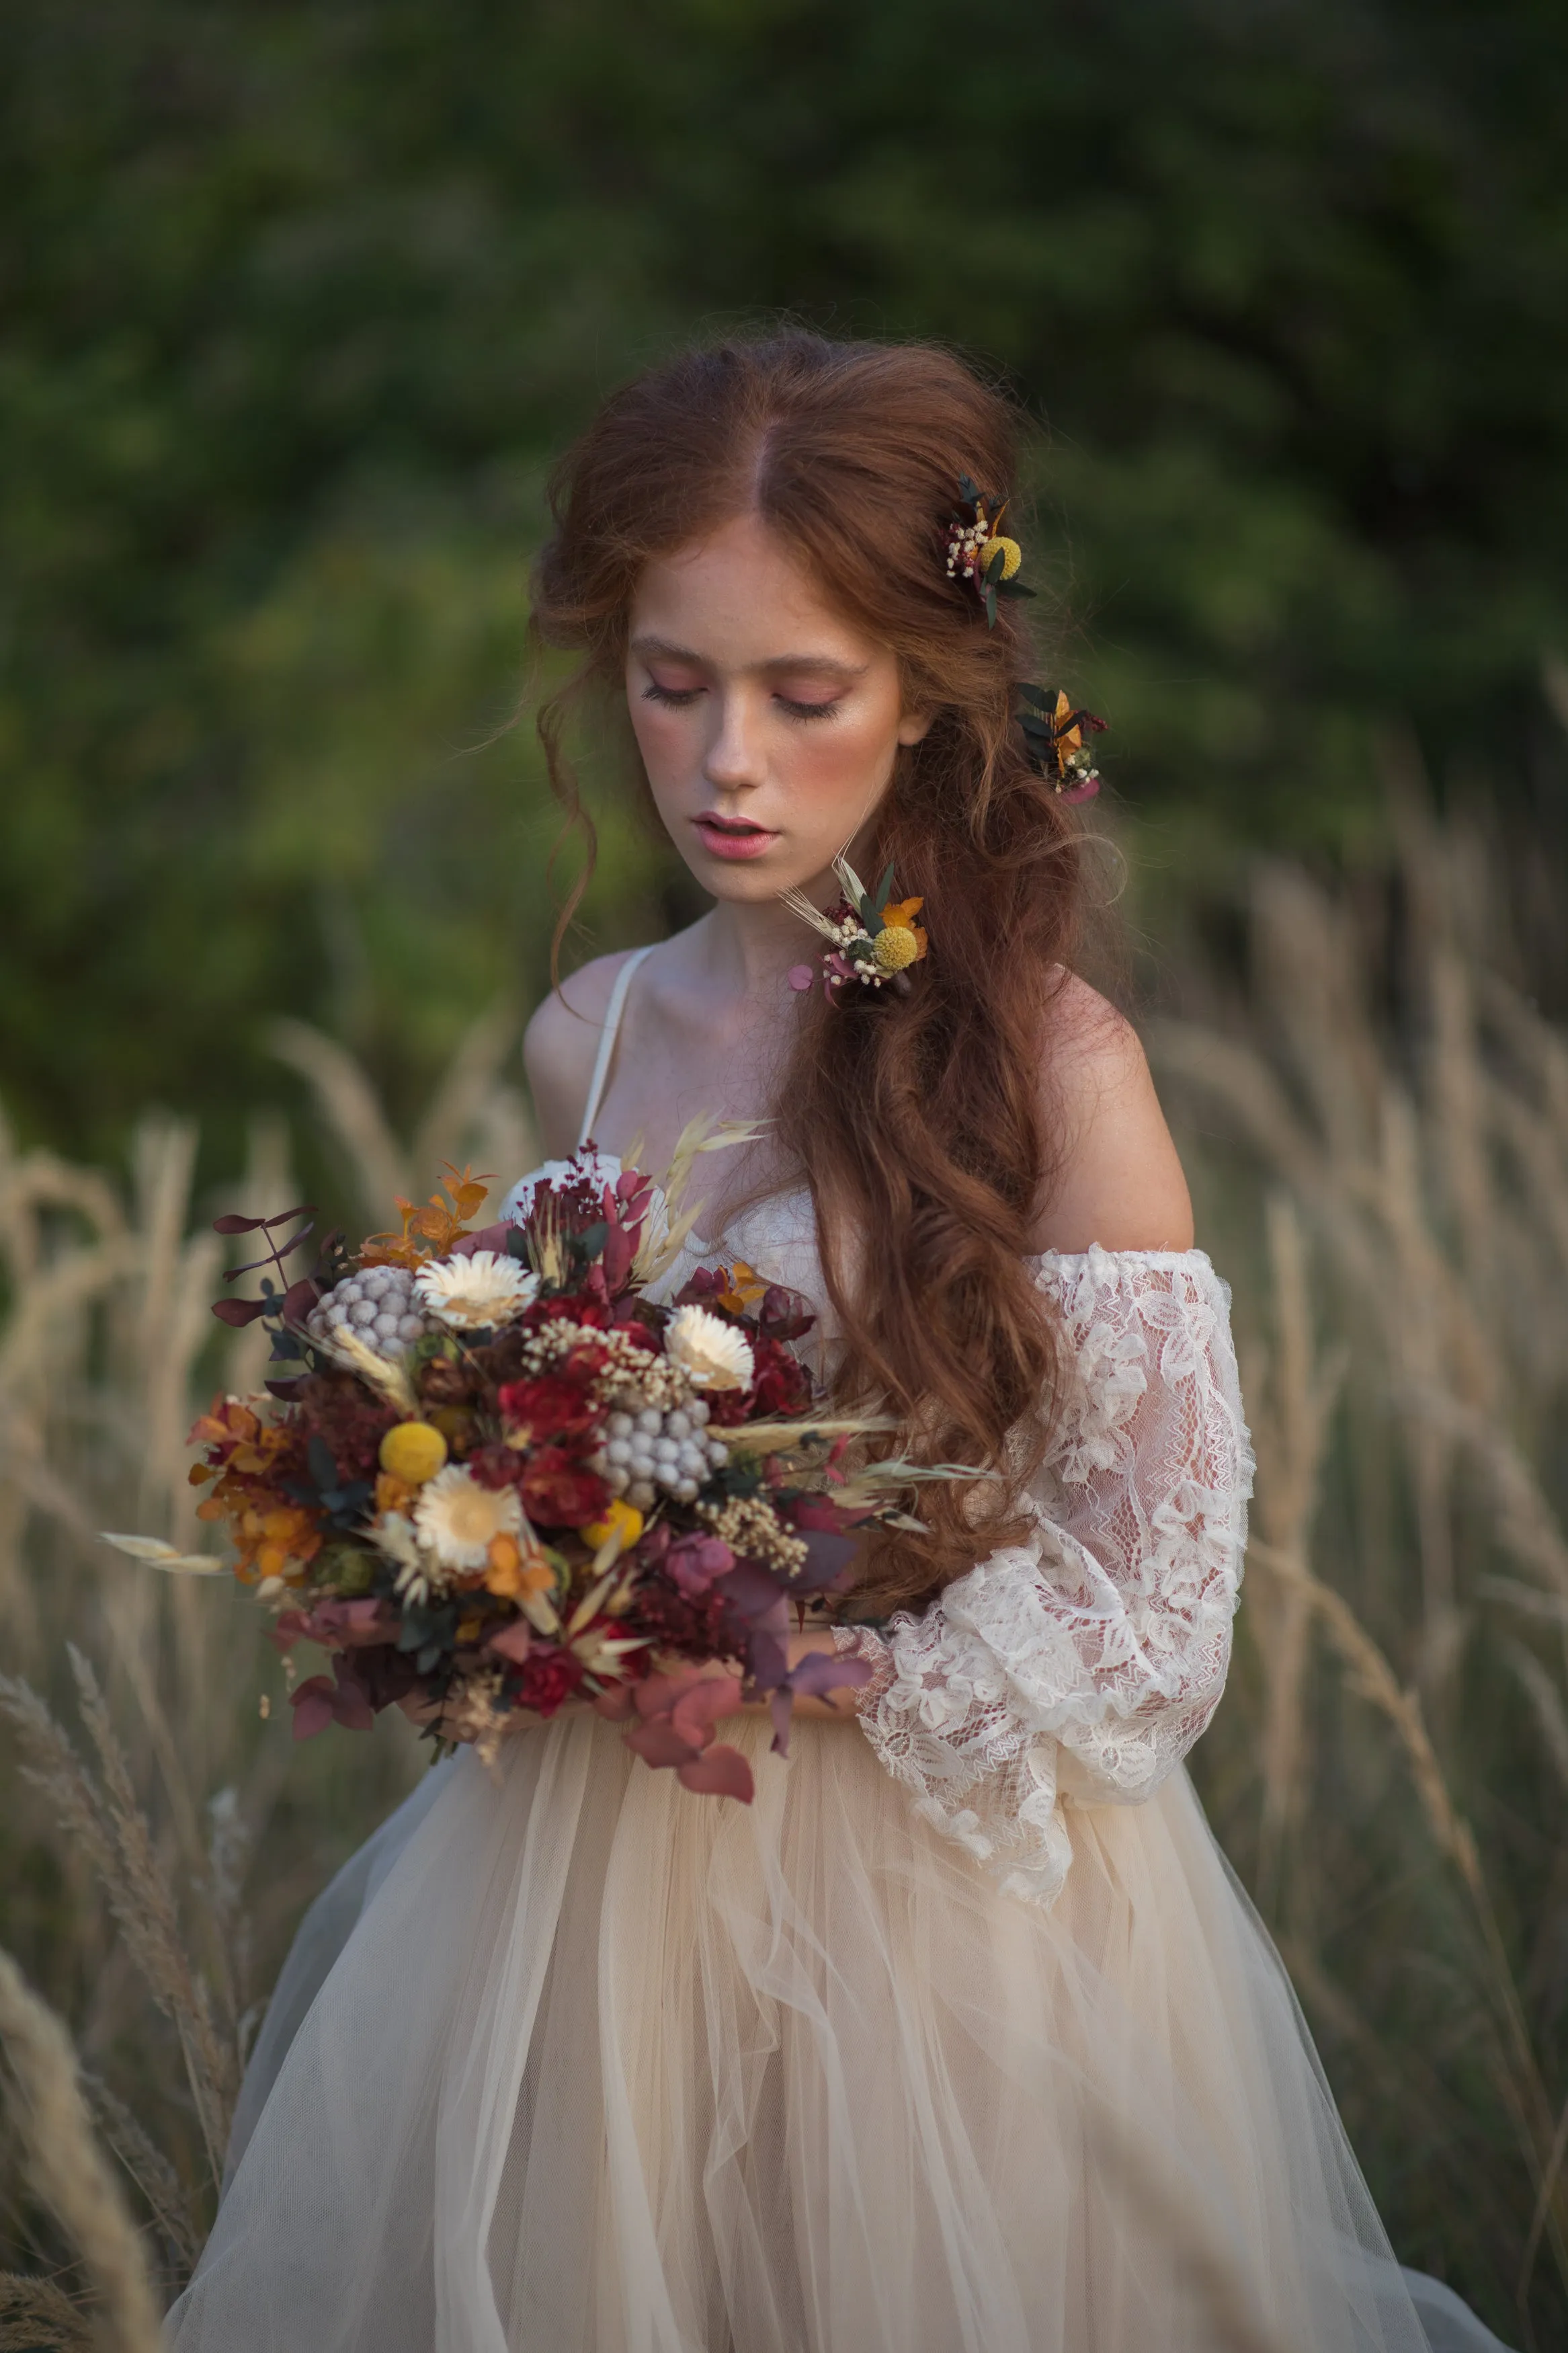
748, 951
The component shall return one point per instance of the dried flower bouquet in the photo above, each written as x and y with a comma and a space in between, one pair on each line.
505, 1477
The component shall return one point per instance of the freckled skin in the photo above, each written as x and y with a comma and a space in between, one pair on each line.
754, 700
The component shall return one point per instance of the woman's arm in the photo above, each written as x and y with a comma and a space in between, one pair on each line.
1083, 1663
1118, 1180
559, 1048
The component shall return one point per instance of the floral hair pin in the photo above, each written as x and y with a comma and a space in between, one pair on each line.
979, 551
1055, 735
872, 938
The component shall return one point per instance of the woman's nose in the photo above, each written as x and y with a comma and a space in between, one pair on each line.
733, 759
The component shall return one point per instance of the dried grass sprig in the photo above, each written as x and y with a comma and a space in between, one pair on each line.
1373, 1678
143, 1890
1291, 1410
37, 2315
107, 1824
171, 2209
68, 2169
663, 1236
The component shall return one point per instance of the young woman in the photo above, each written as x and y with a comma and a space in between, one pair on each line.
961, 2035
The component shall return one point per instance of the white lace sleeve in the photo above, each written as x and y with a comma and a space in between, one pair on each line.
1082, 1666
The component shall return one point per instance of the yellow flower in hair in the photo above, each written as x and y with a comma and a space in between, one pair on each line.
1003, 555
894, 946
900, 916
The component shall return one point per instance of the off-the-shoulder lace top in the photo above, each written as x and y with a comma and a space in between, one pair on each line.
1080, 1667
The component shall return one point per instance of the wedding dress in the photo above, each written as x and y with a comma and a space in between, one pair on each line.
962, 2038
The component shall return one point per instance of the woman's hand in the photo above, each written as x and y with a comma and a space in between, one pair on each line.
424, 1712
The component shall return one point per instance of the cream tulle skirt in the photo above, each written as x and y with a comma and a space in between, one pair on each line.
569, 2061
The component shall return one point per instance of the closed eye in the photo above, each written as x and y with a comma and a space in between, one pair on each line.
810, 710
676, 696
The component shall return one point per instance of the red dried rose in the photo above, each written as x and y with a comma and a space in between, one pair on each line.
495, 1467
549, 1408
353, 1424
545, 1679
696, 1625
557, 1493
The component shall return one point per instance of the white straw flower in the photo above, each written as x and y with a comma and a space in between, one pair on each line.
473, 1294
395, 1537
710, 1353
459, 1520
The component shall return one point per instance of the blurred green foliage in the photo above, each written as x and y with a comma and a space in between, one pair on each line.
297, 300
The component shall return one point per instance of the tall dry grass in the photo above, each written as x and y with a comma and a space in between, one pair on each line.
161, 1834
1377, 1122
1376, 1117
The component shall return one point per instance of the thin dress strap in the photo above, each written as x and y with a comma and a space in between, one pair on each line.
613, 1012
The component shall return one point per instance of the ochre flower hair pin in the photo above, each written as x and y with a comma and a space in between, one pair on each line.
872, 938
981, 557
979, 551
1055, 735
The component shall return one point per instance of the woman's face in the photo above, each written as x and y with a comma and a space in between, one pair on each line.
767, 723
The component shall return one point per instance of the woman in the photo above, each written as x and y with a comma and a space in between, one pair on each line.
961, 2035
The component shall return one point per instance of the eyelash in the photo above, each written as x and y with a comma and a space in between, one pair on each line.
679, 698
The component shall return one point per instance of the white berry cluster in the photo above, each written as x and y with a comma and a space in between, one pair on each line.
647, 1450
378, 1304
964, 543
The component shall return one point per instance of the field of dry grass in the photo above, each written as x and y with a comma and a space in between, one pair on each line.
1376, 1119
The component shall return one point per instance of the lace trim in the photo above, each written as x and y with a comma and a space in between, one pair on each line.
1081, 1668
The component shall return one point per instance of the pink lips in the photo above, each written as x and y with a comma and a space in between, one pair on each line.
732, 838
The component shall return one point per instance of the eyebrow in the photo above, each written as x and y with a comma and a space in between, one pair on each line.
820, 665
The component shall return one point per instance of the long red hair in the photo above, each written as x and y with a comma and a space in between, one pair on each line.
916, 1121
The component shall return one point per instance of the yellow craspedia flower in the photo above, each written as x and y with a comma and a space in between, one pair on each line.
1003, 554
620, 1519
894, 946
413, 1452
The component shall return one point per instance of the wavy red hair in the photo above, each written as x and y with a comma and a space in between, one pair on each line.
918, 1120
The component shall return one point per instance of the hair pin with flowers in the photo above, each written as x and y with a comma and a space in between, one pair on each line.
872, 938
979, 551
1054, 734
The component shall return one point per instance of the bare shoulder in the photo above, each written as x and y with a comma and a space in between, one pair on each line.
559, 1048
1118, 1180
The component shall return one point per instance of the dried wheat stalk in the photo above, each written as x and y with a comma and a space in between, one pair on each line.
155, 2176
111, 1829
1373, 1679
69, 2170
38, 2316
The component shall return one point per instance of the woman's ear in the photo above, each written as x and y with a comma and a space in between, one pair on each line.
914, 726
